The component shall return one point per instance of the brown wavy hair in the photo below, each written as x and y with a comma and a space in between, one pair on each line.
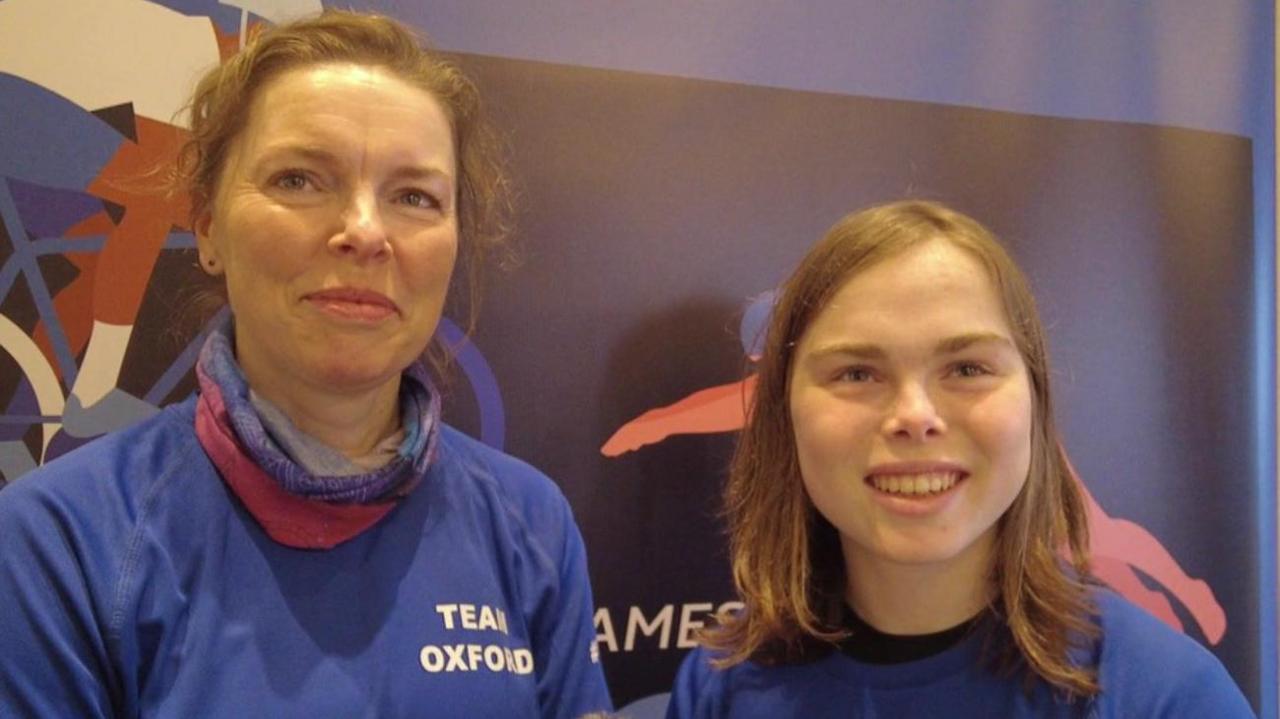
220, 104
786, 557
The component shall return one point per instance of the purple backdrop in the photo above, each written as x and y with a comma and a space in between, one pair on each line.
1118, 150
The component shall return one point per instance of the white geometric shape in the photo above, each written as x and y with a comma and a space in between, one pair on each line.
31, 361
108, 52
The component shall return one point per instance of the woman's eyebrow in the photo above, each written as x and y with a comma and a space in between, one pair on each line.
855, 350
962, 342
422, 173
950, 345
290, 151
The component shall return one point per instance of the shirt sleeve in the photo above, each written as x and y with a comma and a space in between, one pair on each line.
571, 681
1147, 669
688, 693
55, 661
1206, 689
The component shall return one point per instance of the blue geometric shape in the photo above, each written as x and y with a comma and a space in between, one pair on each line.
115, 410
25, 261
183, 363
48, 140
653, 706
15, 461
484, 385
22, 412
50, 211
755, 321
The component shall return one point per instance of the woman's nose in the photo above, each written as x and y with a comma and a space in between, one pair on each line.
364, 234
914, 415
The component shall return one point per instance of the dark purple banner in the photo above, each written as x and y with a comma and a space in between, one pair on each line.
656, 215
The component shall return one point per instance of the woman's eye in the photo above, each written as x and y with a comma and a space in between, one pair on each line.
292, 180
856, 374
420, 199
969, 369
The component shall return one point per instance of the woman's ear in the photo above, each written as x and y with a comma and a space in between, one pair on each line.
206, 247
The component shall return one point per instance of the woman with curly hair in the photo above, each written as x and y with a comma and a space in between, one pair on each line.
306, 537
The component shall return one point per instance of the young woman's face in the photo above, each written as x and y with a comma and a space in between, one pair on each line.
334, 221
912, 411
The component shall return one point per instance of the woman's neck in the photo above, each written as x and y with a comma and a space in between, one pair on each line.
920, 598
351, 423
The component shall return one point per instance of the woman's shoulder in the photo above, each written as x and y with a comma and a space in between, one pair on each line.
514, 474
71, 528
1127, 629
702, 689
469, 465
121, 467
1146, 666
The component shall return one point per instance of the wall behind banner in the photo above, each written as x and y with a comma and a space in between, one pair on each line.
675, 161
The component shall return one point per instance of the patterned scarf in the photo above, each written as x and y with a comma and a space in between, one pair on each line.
295, 507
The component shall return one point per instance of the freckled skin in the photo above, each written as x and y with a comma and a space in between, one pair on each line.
342, 179
875, 384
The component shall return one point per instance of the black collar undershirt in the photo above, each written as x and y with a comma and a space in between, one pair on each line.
872, 646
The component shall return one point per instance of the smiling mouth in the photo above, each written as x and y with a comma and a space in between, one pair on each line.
923, 484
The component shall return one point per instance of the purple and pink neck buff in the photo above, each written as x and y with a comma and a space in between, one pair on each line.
294, 505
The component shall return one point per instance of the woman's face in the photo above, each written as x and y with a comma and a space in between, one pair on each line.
334, 221
911, 407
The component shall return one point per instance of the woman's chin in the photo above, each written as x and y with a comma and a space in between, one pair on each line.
344, 373
347, 376
933, 548
351, 366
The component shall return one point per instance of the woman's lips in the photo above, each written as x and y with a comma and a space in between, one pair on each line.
353, 304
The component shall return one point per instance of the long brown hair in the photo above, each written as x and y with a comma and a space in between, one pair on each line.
220, 104
787, 562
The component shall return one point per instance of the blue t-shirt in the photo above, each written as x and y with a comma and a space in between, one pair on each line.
1145, 670
133, 582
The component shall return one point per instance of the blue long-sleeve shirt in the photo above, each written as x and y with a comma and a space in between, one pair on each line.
134, 583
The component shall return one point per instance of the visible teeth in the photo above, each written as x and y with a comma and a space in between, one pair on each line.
915, 484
